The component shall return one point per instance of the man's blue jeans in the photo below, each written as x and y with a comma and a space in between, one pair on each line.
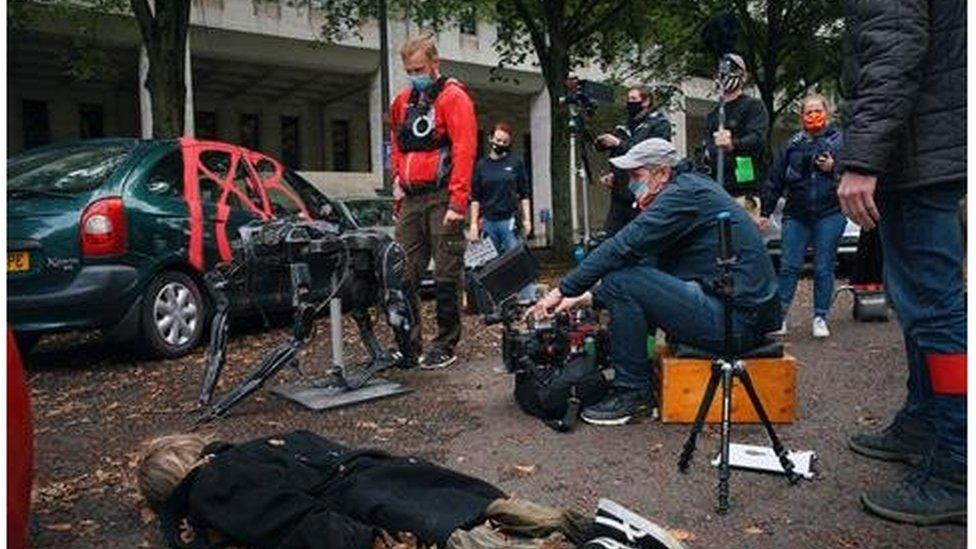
502, 235
922, 244
824, 234
642, 295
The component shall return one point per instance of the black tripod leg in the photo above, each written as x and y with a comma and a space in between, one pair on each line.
216, 354
723, 464
781, 453
365, 326
706, 403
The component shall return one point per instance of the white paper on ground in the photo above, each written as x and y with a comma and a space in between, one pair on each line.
762, 458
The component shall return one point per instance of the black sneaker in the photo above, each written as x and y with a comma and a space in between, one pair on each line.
929, 494
905, 439
628, 529
617, 408
437, 358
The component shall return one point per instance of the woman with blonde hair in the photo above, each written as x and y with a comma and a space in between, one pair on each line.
806, 173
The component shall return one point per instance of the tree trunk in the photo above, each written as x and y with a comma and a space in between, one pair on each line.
164, 29
562, 211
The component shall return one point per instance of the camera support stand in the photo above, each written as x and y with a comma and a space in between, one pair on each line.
726, 368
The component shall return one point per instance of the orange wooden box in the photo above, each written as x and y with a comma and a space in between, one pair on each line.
683, 382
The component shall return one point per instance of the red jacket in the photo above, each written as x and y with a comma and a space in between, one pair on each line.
20, 449
454, 119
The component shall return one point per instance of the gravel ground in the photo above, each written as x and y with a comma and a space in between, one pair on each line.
92, 407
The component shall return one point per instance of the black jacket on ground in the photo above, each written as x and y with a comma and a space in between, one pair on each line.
303, 491
811, 194
905, 91
621, 211
746, 118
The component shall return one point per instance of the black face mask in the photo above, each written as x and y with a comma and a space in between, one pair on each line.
633, 109
499, 149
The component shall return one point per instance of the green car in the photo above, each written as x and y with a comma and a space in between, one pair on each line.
115, 234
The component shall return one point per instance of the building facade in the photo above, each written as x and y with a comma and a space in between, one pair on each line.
260, 76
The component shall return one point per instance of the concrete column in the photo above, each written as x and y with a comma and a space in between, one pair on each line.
376, 125
540, 123
188, 110
679, 128
145, 100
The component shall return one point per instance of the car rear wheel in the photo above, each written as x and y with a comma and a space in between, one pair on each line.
173, 314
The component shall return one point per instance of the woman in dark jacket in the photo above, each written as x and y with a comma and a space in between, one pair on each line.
805, 171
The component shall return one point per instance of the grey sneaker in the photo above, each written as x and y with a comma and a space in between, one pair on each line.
934, 493
905, 439
617, 408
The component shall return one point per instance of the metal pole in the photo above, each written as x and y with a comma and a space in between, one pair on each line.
572, 169
335, 328
385, 94
586, 204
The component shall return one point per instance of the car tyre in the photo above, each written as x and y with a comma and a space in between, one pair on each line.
174, 314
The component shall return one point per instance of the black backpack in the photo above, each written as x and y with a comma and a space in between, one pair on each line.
556, 394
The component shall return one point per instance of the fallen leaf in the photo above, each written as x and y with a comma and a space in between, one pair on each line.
146, 515
525, 470
682, 535
59, 526
754, 530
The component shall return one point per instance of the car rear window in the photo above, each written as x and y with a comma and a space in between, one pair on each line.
66, 170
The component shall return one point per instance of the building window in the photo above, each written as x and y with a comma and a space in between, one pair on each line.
251, 131
290, 146
469, 23
37, 124
205, 124
91, 118
340, 145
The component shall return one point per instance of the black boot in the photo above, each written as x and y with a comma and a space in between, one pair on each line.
905, 439
933, 493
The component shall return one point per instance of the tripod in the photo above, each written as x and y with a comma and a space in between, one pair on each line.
579, 167
724, 369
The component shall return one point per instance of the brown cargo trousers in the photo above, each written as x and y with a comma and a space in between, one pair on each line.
421, 231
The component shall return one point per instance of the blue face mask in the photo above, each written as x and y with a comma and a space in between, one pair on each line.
420, 82
637, 187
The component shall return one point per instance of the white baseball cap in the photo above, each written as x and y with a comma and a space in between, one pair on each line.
650, 152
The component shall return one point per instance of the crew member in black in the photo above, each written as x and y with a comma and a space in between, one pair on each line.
743, 137
644, 121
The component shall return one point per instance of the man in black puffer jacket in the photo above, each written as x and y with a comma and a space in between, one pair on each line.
905, 146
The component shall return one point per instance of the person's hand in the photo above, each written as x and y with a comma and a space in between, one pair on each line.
723, 139
472, 234
607, 180
825, 162
608, 140
543, 308
526, 227
763, 223
569, 303
452, 217
856, 194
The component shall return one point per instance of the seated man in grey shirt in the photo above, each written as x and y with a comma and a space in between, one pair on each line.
660, 270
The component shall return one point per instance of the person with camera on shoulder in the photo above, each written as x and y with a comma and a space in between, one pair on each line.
661, 270
805, 172
644, 121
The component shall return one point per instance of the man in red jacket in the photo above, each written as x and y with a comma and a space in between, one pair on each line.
435, 136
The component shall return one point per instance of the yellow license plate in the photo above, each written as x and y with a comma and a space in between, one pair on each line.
18, 262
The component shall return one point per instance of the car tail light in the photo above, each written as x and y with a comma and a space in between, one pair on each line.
103, 228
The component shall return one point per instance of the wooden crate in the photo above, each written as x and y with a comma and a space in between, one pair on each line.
683, 382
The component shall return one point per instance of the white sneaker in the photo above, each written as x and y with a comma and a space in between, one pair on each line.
783, 330
820, 329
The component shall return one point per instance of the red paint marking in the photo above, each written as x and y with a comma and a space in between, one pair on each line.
947, 372
274, 181
191, 194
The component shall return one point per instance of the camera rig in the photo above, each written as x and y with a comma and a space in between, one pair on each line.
363, 269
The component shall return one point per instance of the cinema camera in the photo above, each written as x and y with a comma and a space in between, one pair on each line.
559, 364
320, 261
